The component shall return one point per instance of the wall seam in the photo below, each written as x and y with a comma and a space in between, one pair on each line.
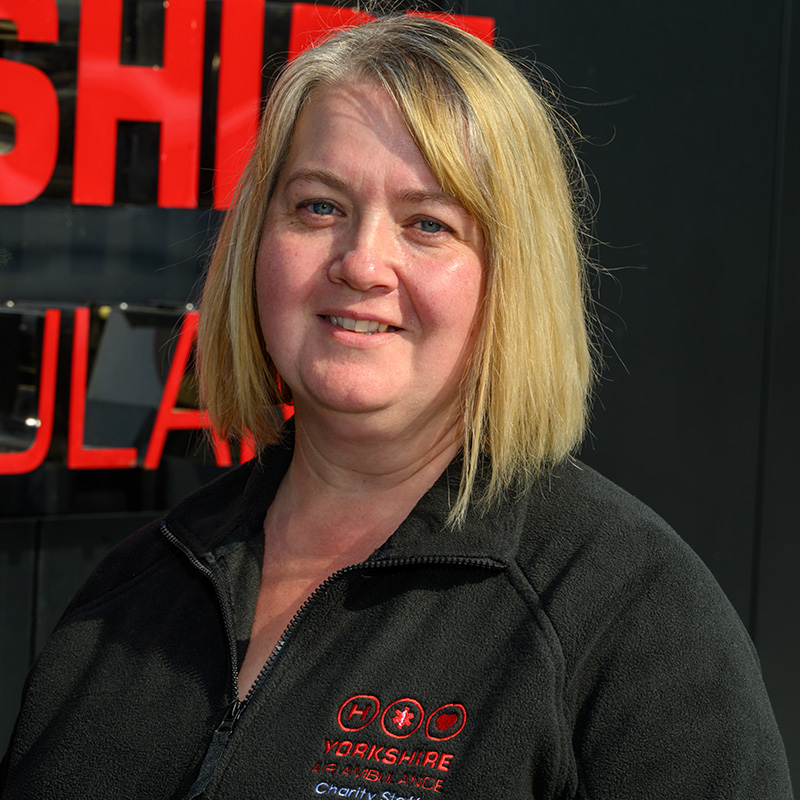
776, 213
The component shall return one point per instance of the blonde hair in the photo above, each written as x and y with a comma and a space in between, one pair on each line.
491, 141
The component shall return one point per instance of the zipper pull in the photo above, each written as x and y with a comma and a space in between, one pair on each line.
232, 714
215, 749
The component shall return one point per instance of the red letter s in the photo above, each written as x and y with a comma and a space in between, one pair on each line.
27, 94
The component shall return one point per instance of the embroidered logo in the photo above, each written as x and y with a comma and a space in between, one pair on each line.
402, 718
363, 755
446, 722
358, 711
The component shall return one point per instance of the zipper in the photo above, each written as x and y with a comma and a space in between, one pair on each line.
235, 709
221, 734
221, 599
364, 565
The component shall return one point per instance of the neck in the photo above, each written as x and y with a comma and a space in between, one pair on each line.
348, 488
351, 456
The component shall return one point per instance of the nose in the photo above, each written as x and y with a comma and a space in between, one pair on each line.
368, 258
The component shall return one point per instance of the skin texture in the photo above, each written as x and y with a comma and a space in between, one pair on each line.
358, 228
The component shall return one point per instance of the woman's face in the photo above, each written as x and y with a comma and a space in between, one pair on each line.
369, 276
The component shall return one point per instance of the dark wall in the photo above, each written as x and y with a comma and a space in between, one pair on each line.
777, 559
690, 123
690, 116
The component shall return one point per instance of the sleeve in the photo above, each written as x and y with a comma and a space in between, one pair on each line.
666, 695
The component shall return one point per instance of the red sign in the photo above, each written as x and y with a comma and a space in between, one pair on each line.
170, 94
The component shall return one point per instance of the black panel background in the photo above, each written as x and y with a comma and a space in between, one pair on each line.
690, 115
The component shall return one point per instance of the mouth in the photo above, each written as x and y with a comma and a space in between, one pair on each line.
365, 326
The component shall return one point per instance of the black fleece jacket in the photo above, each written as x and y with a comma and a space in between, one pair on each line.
569, 645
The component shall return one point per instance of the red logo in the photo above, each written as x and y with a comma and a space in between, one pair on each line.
402, 718
358, 711
446, 722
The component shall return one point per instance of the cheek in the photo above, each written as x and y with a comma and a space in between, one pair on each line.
287, 265
452, 301
276, 271
285, 289
271, 291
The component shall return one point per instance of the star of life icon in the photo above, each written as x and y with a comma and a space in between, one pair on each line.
402, 718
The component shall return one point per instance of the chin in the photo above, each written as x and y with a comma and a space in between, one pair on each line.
340, 400
347, 390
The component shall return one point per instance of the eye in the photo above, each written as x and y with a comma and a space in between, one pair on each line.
321, 208
430, 226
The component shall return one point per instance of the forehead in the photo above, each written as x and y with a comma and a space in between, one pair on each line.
352, 124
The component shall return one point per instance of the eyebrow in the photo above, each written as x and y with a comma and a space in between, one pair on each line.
423, 196
317, 176
408, 196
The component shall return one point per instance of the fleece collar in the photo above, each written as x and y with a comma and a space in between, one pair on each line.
239, 500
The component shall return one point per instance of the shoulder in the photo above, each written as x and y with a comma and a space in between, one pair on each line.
577, 497
198, 520
616, 581
662, 683
579, 527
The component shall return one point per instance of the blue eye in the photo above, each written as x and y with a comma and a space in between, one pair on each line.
322, 208
430, 226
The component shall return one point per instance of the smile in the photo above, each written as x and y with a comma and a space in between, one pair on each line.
367, 326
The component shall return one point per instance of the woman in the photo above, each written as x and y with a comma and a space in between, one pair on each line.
413, 591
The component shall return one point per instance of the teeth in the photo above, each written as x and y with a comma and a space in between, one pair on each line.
366, 326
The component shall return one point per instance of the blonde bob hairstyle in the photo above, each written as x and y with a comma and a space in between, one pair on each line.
494, 144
